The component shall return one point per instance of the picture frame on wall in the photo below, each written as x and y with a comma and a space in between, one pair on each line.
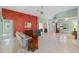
28, 24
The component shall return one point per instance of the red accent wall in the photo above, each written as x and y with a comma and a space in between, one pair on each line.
19, 19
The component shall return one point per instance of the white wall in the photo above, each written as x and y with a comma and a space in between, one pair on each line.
51, 26
1, 28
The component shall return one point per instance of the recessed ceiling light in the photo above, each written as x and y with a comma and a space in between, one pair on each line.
66, 19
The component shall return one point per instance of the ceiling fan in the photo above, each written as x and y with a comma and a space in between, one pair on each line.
41, 10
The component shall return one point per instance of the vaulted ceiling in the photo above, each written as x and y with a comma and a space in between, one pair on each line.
49, 11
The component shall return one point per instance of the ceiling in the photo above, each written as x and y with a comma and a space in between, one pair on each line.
49, 11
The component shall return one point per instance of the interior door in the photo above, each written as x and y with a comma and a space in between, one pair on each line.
7, 29
7, 43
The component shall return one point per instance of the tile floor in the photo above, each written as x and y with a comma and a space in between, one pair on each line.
48, 43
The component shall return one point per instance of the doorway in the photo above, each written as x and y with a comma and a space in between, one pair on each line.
7, 42
41, 27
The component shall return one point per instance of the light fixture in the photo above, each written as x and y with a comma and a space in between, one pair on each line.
41, 10
66, 19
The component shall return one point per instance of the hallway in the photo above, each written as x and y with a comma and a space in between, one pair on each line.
53, 43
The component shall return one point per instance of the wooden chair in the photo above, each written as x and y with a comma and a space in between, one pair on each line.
33, 44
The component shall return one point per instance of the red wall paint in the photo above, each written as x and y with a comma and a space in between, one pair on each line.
19, 19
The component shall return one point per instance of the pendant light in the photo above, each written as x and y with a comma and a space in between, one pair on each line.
41, 10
